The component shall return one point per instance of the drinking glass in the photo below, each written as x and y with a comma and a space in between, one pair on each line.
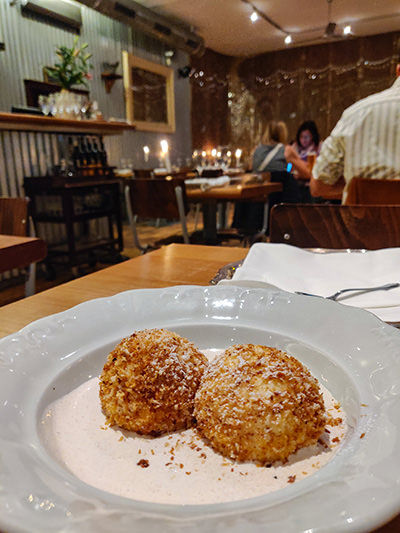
44, 104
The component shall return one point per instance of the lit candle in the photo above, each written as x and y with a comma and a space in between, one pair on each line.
238, 154
165, 152
203, 157
146, 151
214, 154
228, 157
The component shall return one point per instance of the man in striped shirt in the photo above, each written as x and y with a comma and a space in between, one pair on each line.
364, 143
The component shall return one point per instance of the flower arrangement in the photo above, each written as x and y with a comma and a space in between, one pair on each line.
73, 67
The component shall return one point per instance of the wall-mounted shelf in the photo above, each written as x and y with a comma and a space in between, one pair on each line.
25, 122
110, 78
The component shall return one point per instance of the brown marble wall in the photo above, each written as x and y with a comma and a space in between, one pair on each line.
233, 98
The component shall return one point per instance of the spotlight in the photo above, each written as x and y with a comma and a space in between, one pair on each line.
185, 72
288, 39
254, 16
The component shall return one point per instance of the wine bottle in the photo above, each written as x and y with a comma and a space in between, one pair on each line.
82, 153
95, 152
102, 153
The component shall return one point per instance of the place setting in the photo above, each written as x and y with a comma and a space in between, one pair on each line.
367, 279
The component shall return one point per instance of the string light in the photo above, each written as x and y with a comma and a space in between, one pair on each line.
254, 16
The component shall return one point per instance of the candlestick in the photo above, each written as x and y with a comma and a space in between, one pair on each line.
146, 151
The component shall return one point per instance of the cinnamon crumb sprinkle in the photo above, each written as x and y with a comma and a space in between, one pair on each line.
144, 463
291, 479
336, 439
362, 435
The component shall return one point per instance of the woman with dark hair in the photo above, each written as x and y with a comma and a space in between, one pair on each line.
307, 146
307, 140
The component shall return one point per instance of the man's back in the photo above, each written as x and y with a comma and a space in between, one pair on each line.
365, 142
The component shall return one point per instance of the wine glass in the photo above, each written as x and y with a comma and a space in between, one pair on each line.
44, 104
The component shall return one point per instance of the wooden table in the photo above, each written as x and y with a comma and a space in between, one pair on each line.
176, 264
236, 192
19, 252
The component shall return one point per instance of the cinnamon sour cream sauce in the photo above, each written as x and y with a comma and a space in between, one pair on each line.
177, 467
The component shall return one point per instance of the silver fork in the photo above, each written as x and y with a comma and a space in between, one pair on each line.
336, 295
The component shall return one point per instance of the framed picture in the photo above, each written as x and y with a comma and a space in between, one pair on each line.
149, 94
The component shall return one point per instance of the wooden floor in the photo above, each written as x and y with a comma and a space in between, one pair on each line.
149, 232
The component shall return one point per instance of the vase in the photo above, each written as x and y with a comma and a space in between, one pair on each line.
67, 104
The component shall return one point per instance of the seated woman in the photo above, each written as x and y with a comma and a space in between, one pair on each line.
308, 146
274, 142
272, 155
307, 140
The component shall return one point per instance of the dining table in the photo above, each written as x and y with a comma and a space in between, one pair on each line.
238, 190
172, 265
18, 252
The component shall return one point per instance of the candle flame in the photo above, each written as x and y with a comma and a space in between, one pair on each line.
164, 146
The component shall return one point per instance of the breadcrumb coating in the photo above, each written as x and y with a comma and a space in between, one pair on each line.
149, 382
257, 403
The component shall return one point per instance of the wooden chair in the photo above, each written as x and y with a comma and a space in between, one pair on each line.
336, 226
15, 220
143, 173
373, 192
156, 198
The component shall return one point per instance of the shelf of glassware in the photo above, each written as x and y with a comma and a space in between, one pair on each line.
25, 122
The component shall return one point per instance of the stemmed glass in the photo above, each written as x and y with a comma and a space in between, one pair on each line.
44, 104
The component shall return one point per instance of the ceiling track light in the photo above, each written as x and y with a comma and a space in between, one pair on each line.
262, 15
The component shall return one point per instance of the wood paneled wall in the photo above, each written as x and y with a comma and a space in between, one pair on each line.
234, 98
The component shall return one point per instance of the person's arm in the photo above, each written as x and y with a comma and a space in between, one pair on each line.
329, 165
324, 190
292, 156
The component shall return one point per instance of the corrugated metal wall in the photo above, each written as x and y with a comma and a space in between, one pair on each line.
30, 45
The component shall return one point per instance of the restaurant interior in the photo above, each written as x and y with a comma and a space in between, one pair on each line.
129, 199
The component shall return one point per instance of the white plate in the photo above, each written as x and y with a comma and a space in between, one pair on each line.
353, 353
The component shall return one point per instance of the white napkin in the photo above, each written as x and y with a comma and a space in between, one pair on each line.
295, 269
208, 183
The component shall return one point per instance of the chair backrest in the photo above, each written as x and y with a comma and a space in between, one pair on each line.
143, 173
290, 188
14, 216
336, 226
373, 192
156, 197
211, 172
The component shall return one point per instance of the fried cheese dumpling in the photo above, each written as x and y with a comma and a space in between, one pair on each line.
257, 403
149, 382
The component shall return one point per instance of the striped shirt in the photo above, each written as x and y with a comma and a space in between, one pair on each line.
365, 142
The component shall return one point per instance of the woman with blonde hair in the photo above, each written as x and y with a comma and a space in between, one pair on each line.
274, 154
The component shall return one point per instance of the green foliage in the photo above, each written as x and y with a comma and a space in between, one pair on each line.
73, 66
